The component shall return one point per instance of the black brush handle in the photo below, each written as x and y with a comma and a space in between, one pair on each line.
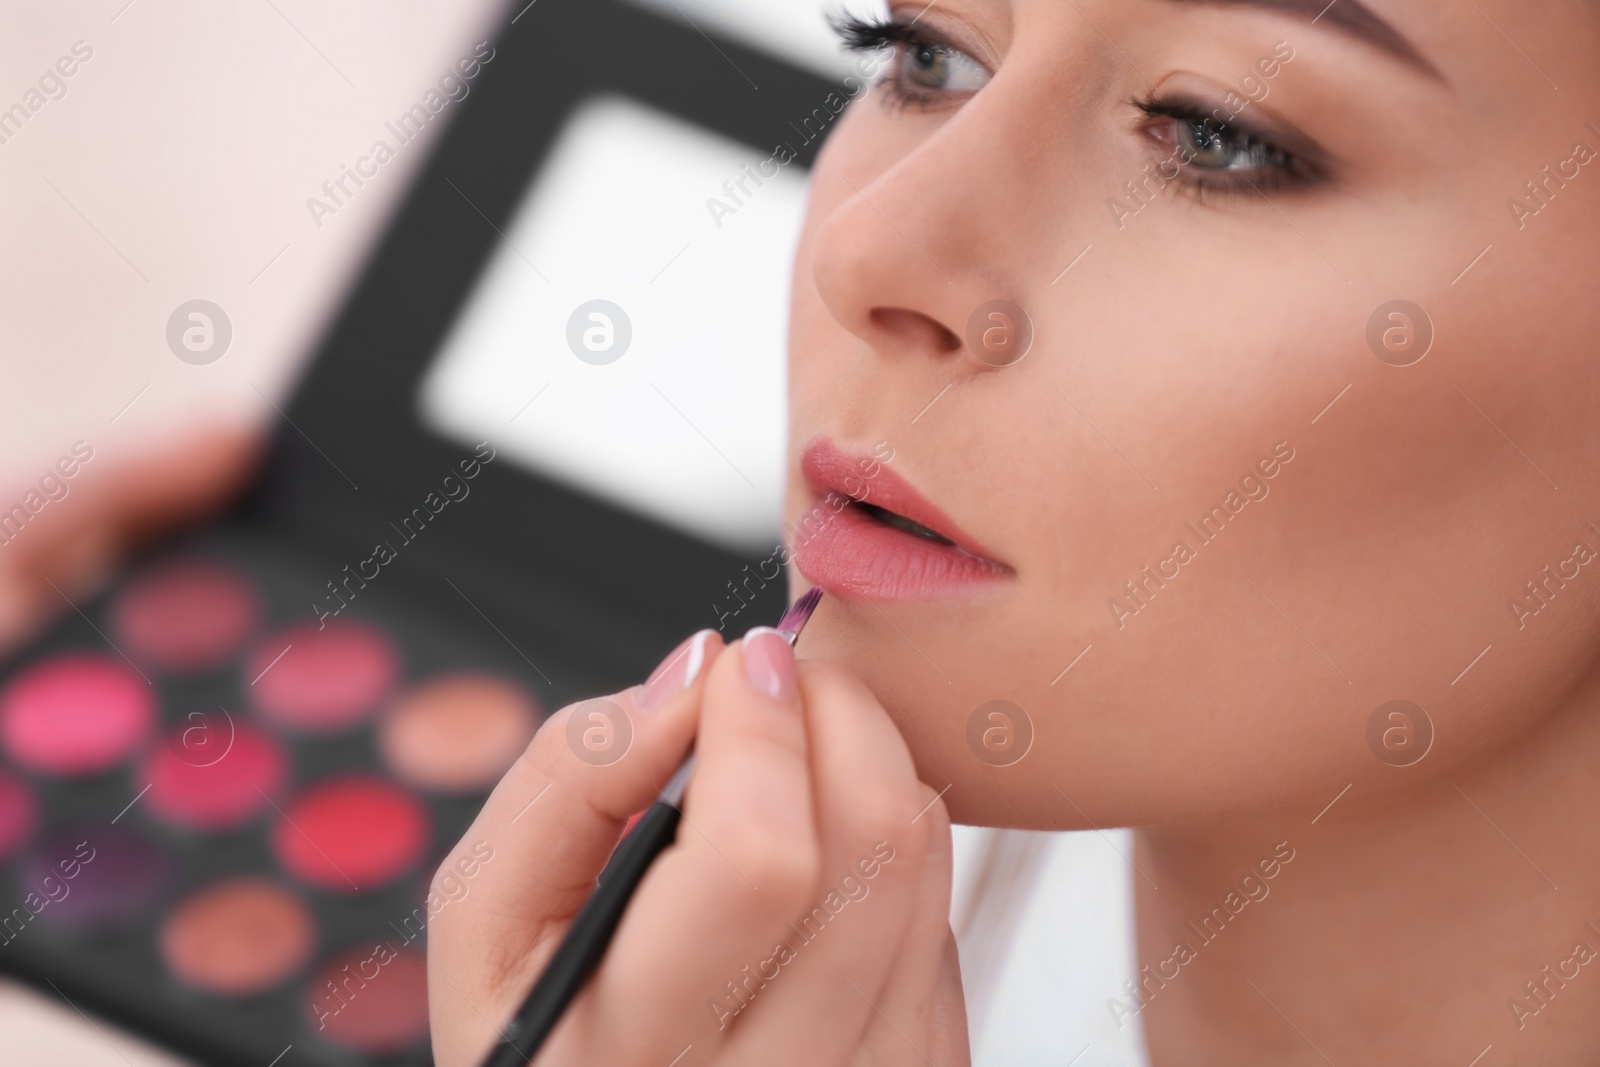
589, 935
586, 939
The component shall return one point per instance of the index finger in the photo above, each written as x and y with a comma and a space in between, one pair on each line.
555, 817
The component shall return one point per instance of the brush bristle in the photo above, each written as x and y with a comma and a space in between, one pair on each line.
794, 620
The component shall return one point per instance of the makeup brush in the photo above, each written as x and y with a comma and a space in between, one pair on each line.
587, 938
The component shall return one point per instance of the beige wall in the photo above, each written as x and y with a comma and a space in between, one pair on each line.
177, 166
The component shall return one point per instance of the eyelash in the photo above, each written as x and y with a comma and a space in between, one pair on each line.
874, 35
1283, 170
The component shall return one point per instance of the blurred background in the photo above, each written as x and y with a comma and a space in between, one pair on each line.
161, 153
177, 164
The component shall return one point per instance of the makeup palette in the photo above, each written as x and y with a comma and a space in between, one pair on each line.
223, 834
226, 781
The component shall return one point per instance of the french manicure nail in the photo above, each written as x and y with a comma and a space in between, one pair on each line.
769, 663
676, 673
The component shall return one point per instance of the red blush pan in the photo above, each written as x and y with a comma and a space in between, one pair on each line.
185, 617
75, 714
351, 834
320, 680
18, 814
215, 772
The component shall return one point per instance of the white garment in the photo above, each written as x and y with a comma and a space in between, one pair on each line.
1045, 946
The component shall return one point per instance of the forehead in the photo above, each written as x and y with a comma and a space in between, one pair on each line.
1350, 17
1441, 39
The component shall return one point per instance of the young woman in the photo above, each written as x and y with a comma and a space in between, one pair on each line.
1215, 381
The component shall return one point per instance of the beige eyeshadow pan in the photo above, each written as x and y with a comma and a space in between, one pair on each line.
457, 733
238, 937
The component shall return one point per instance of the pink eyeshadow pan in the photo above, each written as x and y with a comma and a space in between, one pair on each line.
186, 616
75, 714
320, 680
18, 814
215, 772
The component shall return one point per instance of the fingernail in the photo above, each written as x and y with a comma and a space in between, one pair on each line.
676, 673
769, 663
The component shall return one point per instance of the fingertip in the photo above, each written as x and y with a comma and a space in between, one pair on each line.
769, 666
679, 671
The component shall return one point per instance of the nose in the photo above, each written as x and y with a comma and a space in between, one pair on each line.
919, 243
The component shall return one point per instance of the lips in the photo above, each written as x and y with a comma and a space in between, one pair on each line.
871, 535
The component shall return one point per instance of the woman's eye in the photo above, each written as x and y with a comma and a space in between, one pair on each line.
921, 68
1211, 148
1207, 152
940, 68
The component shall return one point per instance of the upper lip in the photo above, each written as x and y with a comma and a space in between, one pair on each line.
826, 469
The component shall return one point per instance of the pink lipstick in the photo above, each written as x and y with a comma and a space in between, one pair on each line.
877, 537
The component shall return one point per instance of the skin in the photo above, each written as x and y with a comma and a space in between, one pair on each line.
1229, 712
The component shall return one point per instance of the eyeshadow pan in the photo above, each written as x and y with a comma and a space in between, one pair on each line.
371, 998
457, 733
78, 713
238, 937
215, 771
320, 679
185, 616
104, 876
351, 834
18, 814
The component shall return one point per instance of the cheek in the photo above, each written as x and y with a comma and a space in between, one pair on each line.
818, 346
1378, 569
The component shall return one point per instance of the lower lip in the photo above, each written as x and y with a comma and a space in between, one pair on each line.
855, 556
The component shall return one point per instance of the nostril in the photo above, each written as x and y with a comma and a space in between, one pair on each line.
915, 327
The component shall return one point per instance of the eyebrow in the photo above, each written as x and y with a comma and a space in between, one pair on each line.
1352, 18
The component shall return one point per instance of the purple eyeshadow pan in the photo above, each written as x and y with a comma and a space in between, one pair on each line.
93, 878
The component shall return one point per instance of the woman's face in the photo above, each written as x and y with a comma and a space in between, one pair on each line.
1225, 511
